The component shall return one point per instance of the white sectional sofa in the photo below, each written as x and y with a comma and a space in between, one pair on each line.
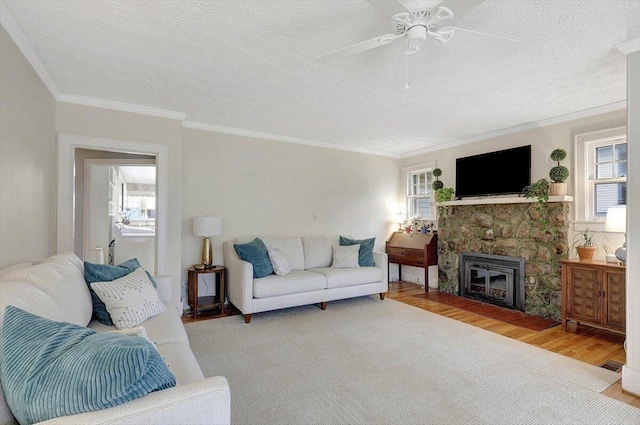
55, 289
312, 279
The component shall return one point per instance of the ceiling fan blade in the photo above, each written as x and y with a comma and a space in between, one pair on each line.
458, 7
488, 44
381, 40
389, 7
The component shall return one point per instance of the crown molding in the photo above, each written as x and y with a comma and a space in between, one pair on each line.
629, 46
281, 138
616, 106
121, 106
18, 37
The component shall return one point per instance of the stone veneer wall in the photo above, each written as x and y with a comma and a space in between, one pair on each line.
513, 230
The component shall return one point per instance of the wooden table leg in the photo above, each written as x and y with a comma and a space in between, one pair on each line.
223, 283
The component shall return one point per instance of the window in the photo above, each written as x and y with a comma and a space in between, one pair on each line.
602, 177
419, 193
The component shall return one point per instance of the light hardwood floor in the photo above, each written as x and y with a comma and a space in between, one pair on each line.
590, 345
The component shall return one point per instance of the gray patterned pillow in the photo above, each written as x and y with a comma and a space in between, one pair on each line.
346, 256
130, 300
279, 262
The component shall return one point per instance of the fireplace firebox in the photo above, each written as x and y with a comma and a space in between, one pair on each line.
496, 279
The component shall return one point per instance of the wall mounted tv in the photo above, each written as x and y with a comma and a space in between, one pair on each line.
494, 173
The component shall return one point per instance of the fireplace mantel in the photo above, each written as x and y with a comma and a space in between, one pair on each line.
504, 200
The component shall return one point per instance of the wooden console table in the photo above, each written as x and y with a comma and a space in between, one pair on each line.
593, 293
413, 249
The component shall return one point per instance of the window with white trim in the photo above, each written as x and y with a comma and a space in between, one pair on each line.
602, 178
419, 193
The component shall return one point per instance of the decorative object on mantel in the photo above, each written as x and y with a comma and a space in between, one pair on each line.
437, 184
586, 244
444, 194
616, 222
559, 173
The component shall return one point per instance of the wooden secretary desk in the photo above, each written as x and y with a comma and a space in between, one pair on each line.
413, 249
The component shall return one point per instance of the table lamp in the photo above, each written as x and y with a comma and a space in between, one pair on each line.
616, 222
206, 226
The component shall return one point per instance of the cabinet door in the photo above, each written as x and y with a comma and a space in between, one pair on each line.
613, 315
583, 301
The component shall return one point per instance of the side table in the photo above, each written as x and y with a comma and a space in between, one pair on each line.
206, 302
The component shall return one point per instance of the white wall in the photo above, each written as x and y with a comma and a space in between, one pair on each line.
27, 160
99, 122
542, 141
262, 187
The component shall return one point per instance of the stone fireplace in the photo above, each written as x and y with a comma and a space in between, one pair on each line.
507, 229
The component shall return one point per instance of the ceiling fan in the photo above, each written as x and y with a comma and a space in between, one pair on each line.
414, 26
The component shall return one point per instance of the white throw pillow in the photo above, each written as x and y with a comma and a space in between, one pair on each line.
130, 300
346, 256
279, 262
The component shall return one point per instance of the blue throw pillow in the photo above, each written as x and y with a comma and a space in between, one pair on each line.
106, 273
365, 255
50, 369
256, 253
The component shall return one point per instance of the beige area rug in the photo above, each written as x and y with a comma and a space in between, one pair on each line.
366, 361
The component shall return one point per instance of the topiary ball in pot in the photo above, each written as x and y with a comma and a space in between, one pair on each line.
558, 155
437, 185
559, 174
437, 172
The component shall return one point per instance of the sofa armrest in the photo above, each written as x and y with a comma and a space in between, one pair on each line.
239, 279
205, 401
381, 259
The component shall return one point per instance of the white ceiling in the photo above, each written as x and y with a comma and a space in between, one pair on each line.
248, 65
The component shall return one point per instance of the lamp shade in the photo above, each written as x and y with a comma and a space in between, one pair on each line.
207, 226
616, 221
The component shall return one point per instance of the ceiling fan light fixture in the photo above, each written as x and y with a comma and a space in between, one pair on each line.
416, 36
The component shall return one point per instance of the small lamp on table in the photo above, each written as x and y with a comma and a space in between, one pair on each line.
206, 226
616, 222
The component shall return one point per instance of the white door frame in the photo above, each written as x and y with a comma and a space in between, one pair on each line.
67, 144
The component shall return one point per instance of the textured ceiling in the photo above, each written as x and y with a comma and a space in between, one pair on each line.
249, 65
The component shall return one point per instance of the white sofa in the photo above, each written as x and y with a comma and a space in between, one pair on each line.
55, 289
312, 279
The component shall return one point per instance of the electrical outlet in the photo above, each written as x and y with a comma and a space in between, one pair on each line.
316, 217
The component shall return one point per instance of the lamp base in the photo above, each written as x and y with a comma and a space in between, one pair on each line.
621, 253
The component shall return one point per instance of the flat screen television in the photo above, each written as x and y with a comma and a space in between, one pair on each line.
494, 173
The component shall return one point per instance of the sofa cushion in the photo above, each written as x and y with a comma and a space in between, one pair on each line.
51, 369
318, 251
279, 262
365, 256
290, 245
256, 253
295, 282
337, 278
180, 359
54, 289
345, 256
130, 300
107, 273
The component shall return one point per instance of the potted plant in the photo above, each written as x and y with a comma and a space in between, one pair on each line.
586, 244
558, 173
540, 190
437, 184
444, 194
